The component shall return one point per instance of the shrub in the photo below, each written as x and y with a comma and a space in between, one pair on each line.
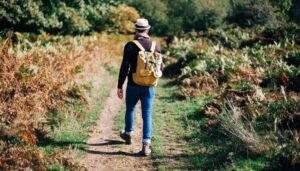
295, 12
283, 6
198, 14
122, 19
21, 15
30, 85
67, 17
156, 11
185, 11
252, 13
233, 121
98, 16
72, 21
212, 14
208, 18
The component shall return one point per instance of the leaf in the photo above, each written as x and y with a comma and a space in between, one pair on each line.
284, 78
28, 137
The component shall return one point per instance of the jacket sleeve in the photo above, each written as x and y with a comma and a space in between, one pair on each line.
124, 69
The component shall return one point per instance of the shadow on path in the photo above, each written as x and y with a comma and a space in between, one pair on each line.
108, 142
113, 153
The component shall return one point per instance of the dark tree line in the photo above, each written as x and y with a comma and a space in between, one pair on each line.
167, 16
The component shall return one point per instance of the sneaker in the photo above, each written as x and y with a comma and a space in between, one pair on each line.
146, 151
125, 137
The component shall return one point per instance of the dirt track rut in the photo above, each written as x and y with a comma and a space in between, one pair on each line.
106, 151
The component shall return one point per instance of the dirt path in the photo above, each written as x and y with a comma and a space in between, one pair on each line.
106, 151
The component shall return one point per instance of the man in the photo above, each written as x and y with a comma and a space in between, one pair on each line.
135, 92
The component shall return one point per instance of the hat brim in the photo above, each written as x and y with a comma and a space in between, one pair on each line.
142, 28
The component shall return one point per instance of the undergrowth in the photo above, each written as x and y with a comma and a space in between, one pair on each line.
50, 96
251, 123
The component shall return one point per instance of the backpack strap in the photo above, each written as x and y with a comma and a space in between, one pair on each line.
153, 47
139, 45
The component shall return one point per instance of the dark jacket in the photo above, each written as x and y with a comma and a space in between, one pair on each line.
130, 55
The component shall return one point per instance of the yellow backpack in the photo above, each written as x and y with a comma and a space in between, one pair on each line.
148, 68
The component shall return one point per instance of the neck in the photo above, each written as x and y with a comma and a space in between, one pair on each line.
143, 34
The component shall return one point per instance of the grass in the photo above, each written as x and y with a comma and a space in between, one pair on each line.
73, 124
180, 143
170, 117
171, 123
120, 119
55, 167
77, 121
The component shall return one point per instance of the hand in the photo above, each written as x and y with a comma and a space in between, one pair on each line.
120, 93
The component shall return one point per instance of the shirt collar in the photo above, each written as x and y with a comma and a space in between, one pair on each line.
141, 36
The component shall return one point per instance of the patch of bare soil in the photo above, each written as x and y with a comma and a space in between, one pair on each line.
106, 150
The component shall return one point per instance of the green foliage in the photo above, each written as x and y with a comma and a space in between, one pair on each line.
256, 90
55, 167
286, 157
174, 16
252, 12
122, 19
282, 111
185, 12
167, 17
23, 15
208, 18
295, 12
155, 11
284, 6
197, 14
97, 15
72, 21
67, 17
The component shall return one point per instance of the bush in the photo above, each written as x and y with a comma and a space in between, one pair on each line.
208, 18
156, 11
72, 21
283, 6
232, 120
21, 15
212, 14
122, 19
295, 12
98, 15
67, 17
196, 14
171, 17
252, 13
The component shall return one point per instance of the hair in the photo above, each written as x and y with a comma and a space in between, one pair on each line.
142, 31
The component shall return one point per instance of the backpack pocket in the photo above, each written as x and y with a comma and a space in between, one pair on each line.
145, 72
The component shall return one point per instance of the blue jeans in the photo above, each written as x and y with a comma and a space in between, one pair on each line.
133, 95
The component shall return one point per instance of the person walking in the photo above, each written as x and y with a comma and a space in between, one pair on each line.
139, 87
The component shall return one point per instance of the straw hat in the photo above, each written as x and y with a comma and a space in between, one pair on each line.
142, 24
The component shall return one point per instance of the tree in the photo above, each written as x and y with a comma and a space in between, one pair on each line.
198, 14
284, 6
155, 11
250, 13
295, 11
56, 16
